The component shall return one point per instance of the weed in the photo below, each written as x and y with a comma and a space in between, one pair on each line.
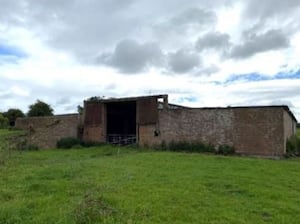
293, 146
93, 208
183, 146
71, 142
225, 150
67, 143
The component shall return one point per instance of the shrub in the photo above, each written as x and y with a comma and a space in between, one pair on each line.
293, 146
91, 144
3, 122
184, 146
67, 143
31, 147
225, 150
72, 142
23, 145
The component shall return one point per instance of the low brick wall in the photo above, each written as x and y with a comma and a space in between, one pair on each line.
46, 131
250, 130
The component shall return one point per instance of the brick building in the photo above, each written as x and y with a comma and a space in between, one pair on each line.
150, 120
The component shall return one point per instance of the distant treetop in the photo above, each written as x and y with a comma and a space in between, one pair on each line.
12, 114
39, 109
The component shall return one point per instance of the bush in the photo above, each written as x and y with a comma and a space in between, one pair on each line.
31, 147
293, 146
183, 146
3, 121
67, 143
76, 143
91, 144
225, 150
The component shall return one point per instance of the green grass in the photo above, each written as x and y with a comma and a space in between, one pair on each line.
5, 149
122, 185
8, 133
298, 132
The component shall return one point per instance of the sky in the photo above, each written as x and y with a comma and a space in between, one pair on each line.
202, 53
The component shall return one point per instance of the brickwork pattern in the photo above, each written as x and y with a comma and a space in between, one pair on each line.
253, 131
46, 131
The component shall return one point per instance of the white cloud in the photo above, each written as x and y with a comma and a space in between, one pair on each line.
61, 48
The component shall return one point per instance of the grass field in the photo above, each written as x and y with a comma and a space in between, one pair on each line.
112, 185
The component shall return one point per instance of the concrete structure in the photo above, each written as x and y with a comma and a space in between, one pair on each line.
151, 120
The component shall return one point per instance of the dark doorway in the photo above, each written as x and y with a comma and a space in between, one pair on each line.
121, 122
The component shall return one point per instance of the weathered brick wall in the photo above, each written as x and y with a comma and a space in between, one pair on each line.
258, 131
147, 135
205, 125
93, 133
45, 131
255, 131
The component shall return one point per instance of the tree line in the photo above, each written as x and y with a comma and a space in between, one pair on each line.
39, 108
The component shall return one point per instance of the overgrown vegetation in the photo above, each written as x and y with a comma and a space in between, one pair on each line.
94, 209
7, 145
4, 122
183, 146
225, 150
72, 142
293, 146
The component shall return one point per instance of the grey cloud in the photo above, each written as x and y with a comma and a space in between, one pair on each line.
183, 61
269, 8
85, 28
271, 40
194, 16
213, 40
188, 21
63, 101
131, 57
80, 27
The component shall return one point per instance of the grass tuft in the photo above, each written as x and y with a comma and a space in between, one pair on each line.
93, 209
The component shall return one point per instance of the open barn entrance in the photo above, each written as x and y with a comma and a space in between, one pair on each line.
121, 122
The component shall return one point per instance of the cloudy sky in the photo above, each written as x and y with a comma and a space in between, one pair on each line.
201, 53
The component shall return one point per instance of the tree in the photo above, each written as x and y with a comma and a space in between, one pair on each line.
12, 115
40, 109
80, 109
3, 121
